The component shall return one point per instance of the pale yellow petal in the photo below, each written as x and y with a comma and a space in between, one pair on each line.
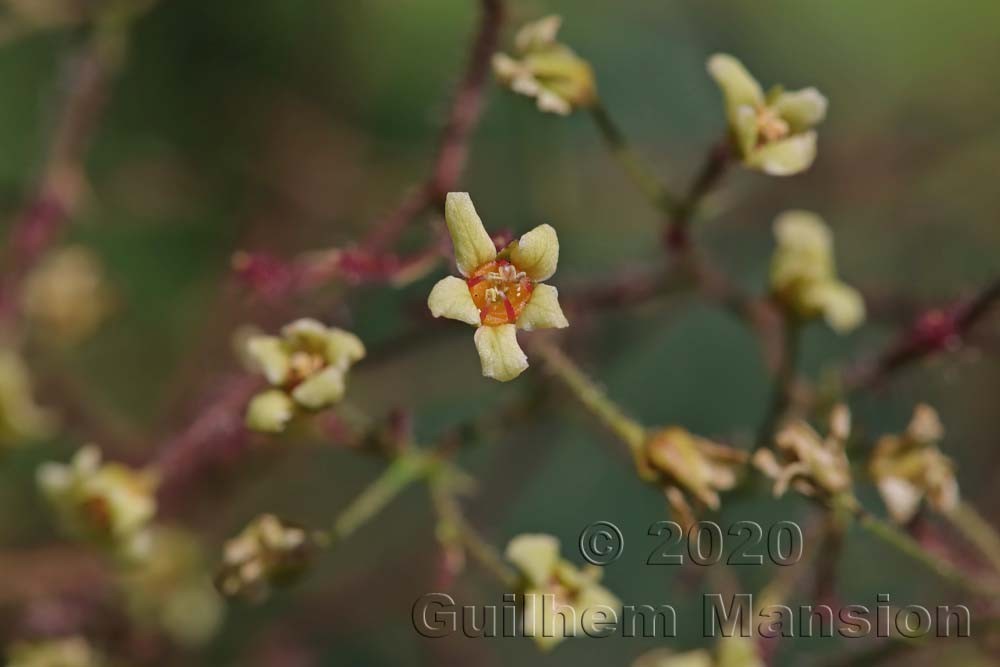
801, 109
322, 389
543, 310
501, 356
785, 157
268, 354
343, 348
535, 555
537, 253
473, 245
269, 412
738, 86
450, 298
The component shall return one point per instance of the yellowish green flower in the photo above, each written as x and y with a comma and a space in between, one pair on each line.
804, 276
62, 652
547, 70
910, 467
773, 133
307, 367
268, 552
498, 293
107, 503
548, 583
686, 462
21, 419
67, 297
812, 465
170, 588
734, 651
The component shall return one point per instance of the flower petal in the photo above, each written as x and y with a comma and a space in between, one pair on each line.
842, 305
269, 411
538, 34
535, 555
737, 84
305, 333
537, 253
543, 310
501, 356
801, 109
451, 298
343, 348
473, 245
322, 389
268, 354
745, 129
786, 157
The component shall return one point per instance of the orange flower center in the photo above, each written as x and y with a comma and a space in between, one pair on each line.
771, 126
500, 292
303, 365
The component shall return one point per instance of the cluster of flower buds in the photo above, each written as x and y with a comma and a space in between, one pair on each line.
734, 651
61, 652
684, 462
21, 419
772, 132
547, 70
269, 552
812, 465
109, 504
307, 368
910, 467
549, 583
66, 297
804, 275
169, 587
499, 292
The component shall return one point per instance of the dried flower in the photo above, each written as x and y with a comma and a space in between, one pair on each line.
804, 277
268, 552
814, 466
110, 504
21, 418
910, 467
501, 292
547, 70
690, 463
307, 366
548, 583
62, 652
170, 587
773, 133
67, 297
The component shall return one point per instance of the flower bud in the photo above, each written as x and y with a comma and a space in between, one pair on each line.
268, 552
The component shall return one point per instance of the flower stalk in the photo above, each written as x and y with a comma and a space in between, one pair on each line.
978, 531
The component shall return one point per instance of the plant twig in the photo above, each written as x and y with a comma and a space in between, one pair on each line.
978, 531
784, 381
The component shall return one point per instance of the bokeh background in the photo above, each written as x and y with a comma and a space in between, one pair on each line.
291, 125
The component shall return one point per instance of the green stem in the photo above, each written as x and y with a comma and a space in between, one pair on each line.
636, 168
784, 382
978, 531
590, 395
403, 471
898, 539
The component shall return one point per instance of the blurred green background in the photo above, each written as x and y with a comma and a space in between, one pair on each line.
288, 125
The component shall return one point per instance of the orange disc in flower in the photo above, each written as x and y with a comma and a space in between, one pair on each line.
500, 292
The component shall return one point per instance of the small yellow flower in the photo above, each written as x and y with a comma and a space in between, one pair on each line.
548, 583
813, 465
170, 587
62, 652
684, 461
21, 419
108, 503
910, 467
501, 292
773, 133
547, 70
804, 276
67, 297
268, 552
307, 366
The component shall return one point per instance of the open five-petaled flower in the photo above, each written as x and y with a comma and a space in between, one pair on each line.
499, 292
773, 132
